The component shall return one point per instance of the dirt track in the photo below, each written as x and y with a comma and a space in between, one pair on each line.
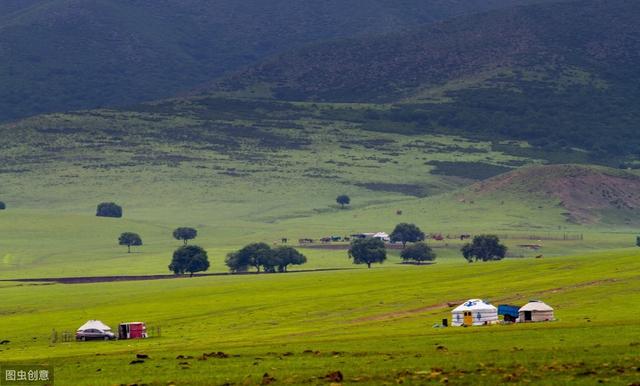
107, 279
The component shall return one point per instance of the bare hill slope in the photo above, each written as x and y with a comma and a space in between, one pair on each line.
588, 193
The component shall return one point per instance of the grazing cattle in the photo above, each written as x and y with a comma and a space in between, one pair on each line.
305, 241
325, 240
284, 240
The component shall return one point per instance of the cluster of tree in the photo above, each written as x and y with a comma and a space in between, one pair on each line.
3, 206
418, 252
189, 258
262, 256
367, 251
372, 250
407, 233
484, 248
109, 209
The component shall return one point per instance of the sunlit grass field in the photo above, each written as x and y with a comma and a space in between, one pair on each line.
375, 326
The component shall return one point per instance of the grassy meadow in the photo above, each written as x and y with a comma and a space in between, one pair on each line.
275, 173
375, 326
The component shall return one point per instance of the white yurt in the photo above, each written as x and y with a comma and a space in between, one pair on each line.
474, 312
94, 325
535, 311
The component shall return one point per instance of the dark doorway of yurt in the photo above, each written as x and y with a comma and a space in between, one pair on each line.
527, 316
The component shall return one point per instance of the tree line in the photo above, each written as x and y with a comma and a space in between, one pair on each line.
264, 258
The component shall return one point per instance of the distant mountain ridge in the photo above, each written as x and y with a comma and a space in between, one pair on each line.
60, 55
563, 75
587, 35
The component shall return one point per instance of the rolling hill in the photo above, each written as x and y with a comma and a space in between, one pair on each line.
68, 54
266, 165
557, 74
588, 194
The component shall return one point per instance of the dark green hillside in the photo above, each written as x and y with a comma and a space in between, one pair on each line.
559, 75
60, 55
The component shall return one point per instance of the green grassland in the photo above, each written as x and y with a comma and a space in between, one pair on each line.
273, 174
241, 171
375, 326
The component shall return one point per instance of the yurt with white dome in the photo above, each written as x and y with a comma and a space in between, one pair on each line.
474, 312
535, 311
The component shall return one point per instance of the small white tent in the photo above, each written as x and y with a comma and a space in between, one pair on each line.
474, 312
535, 311
94, 325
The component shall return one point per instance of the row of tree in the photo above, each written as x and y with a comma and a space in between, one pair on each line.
371, 250
482, 247
192, 258
262, 256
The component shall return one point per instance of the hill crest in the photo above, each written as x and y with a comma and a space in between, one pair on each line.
586, 192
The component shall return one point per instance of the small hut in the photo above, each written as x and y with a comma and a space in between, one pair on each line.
132, 330
508, 312
535, 311
474, 312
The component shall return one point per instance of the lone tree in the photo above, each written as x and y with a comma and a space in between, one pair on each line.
406, 233
343, 200
367, 251
189, 258
286, 256
485, 248
185, 234
3, 206
109, 209
253, 255
130, 239
418, 252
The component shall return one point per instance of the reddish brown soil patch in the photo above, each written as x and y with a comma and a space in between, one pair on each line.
585, 191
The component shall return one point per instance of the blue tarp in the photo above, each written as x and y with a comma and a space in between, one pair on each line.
506, 309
